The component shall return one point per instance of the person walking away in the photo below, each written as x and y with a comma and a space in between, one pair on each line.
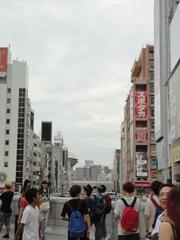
170, 228
77, 211
44, 207
127, 213
163, 193
98, 214
86, 193
151, 205
29, 225
5, 211
22, 204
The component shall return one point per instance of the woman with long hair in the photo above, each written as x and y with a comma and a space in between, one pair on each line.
44, 208
170, 228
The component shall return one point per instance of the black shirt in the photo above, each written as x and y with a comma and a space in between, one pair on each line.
73, 204
6, 198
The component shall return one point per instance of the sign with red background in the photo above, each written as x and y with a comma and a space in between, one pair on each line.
3, 59
141, 104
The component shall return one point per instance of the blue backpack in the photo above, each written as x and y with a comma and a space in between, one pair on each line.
76, 225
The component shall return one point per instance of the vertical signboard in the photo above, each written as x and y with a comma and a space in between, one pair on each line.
3, 59
141, 165
141, 105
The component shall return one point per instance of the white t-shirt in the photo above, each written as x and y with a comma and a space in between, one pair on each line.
31, 221
150, 211
158, 222
118, 210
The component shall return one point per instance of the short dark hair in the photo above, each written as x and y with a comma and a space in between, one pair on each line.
74, 190
128, 187
30, 194
170, 185
155, 186
103, 187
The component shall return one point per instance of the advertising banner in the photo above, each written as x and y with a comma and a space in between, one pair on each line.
141, 165
141, 104
141, 134
3, 59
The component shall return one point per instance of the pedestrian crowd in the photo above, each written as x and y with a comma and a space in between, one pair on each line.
156, 219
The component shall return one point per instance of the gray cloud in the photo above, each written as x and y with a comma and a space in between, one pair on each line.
80, 54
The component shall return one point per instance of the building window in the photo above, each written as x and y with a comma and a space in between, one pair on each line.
152, 136
152, 124
151, 76
6, 153
9, 90
8, 100
151, 85
152, 112
7, 131
151, 63
153, 149
7, 142
8, 110
5, 164
7, 121
151, 100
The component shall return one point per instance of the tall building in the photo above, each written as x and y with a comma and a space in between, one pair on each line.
13, 107
138, 127
167, 74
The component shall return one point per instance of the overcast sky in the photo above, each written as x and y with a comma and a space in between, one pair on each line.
80, 54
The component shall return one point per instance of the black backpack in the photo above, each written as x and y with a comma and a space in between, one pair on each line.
98, 208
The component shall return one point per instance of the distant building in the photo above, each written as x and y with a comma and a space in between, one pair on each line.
13, 109
139, 150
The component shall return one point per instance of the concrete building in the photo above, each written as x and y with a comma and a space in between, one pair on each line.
139, 149
13, 109
167, 55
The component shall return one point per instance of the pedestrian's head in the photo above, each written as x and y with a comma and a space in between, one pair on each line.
75, 190
103, 188
173, 206
163, 194
88, 190
44, 184
128, 187
26, 185
177, 178
100, 189
32, 196
8, 185
155, 186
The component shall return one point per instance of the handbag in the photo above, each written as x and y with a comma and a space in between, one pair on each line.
45, 206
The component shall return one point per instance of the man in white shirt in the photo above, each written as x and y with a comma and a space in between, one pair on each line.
151, 205
29, 225
128, 190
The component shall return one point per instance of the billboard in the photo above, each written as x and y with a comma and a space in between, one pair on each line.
141, 165
141, 134
3, 59
46, 131
141, 105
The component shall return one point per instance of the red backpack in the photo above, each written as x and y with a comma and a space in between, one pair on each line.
129, 220
108, 203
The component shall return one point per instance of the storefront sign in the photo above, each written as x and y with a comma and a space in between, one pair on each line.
141, 104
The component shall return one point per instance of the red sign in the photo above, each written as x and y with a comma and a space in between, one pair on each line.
3, 59
142, 184
141, 134
141, 104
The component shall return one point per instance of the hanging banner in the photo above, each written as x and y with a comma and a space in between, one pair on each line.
141, 105
3, 59
141, 165
141, 134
